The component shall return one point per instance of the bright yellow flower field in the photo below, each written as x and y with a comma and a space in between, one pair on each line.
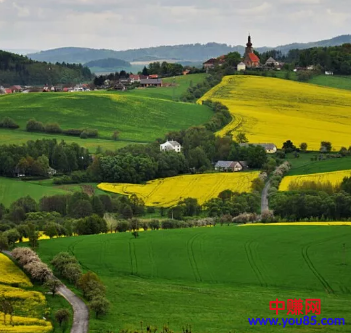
169, 191
10, 273
271, 110
28, 306
335, 178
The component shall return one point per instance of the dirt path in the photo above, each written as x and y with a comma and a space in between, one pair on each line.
264, 197
80, 309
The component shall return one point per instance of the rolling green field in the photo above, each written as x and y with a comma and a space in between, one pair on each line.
216, 278
303, 165
179, 86
340, 82
141, 115
12, 189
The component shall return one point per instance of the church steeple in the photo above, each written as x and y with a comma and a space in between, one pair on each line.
249, 44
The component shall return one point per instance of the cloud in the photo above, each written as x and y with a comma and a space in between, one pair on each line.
120, 24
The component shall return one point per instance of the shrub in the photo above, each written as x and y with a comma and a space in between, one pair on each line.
73, 132
39, 271
72, 272
245, 218
8, 122
99, 305
53, 128
35, 126
122, 226
154, 224
61, 260
268, 216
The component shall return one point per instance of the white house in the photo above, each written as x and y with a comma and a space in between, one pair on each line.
329, 73
171, 145
241, 67
270, 148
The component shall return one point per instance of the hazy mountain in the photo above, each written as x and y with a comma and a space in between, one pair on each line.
187, 52
107, 63
21, 51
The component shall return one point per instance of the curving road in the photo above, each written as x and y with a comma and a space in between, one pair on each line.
80, 309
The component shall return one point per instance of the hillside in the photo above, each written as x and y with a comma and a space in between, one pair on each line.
20, 70
195, 276
275, 110
138, 117
107, 63
189, 52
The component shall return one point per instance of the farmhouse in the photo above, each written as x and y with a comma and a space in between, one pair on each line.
16, 89
270, 148
251, 60
171, 145
150, 83
210, 63
134, 78
241, 67
230, 166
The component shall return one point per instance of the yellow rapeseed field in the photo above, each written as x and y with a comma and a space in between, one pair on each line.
29, 306
335, 178
275, 110
169, 191
10, 273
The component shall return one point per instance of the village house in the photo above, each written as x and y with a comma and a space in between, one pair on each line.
329, 73
150, 83
134, 78
270, 148
2, 90
171, 145
230, 166
16, 89
271, 62
251, 60
210, 63
241, 67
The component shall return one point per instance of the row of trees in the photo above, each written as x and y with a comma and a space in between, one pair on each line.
17, 69
61, 156
94, 291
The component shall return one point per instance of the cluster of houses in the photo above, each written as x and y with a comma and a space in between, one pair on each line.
251, 60
222, 166
46, 88
143, 81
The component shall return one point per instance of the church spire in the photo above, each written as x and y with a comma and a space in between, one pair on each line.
249, 44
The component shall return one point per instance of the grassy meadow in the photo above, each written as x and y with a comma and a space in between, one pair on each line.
140, 115
215, 278
12, 189
334, 81
275, 110
303, 164
169, 191
140, 119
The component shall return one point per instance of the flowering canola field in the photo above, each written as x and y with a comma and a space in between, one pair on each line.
169, 191
11, 274
29, 306
335, 178
275, 110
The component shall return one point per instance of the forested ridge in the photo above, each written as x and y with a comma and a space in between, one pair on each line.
17, 69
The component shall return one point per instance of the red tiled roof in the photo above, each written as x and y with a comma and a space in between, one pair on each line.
8, 91
253, 57
211, 61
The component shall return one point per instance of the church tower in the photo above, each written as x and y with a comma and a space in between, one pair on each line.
250, 58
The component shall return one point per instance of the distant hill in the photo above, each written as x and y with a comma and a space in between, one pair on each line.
187, 52
17, 69
107, 63
336, 41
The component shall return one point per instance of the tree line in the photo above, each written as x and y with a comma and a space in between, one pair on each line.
17, 69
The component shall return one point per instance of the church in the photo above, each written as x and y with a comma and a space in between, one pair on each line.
251, 60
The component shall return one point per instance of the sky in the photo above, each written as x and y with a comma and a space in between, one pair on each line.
130, 24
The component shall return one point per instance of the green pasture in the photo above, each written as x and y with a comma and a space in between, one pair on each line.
215, 278
333, 81
19, 136
137, 118
12, 189
303, 164
178, 86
